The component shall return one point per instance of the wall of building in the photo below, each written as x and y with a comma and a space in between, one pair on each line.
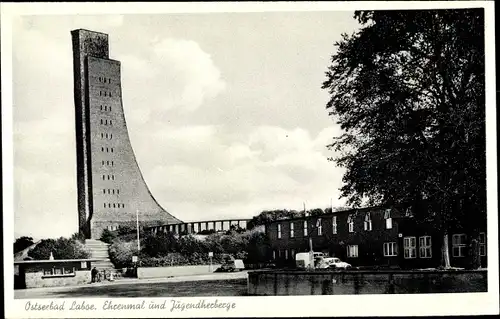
175, 271
35, 274
281, 283
370, 243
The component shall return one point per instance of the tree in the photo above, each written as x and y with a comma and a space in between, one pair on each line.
159, 244
62, 248
22, 243
272, 215
408, 91
108, 236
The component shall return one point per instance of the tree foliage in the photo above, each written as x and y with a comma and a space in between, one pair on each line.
408, 90
22, 243
271, 215
108, 236
62, 248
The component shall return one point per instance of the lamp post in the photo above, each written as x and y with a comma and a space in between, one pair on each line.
137, 226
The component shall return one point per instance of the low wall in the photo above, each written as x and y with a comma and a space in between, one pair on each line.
175, 271
285, 283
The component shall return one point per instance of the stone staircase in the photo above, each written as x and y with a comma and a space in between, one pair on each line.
99, 250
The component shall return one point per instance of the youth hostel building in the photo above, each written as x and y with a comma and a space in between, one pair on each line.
371, 236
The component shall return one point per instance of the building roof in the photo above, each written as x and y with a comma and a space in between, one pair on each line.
44, 261
348, 211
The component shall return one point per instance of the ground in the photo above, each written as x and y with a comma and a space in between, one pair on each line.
217, 284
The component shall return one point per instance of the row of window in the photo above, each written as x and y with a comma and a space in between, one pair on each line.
114, 205
108, 149
104, 80
108, 163
111, 191
105, 93
390, 249
58, 271
459, 244
107, 136
106, 122
350, 225
105, 108
110, 177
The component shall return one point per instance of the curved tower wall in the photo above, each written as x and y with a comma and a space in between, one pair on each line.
111, 188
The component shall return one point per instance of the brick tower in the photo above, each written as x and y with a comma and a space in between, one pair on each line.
111, 188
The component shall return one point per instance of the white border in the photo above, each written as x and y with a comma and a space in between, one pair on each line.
356, 305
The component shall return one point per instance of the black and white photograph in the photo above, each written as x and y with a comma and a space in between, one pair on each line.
249, 159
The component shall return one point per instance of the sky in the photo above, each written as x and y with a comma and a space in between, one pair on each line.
225, 112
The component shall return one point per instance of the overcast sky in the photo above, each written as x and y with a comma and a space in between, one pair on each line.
225, 112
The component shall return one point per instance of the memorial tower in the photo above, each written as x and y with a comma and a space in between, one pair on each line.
111, 188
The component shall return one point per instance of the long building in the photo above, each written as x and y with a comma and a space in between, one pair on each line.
111, 188
374, 236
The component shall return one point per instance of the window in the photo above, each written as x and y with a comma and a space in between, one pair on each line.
279, 230
110, 122
286, 253
113, 177
350, 223
279, 253
103, 177
110, 108
111, 150
482, 244
319, 226
292, 253
104, 191
112, 163
352, 251
368, 222
390, 249
292, 231
104, 205
410, 247
114, 205
274, 254
388, 219
118, 191
425, 244
458, 245
334, 224
305, 227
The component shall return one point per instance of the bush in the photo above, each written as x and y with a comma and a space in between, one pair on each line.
62, 248
157, 245
22, 243
108, 236
79, 237
206, 232
120, 253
